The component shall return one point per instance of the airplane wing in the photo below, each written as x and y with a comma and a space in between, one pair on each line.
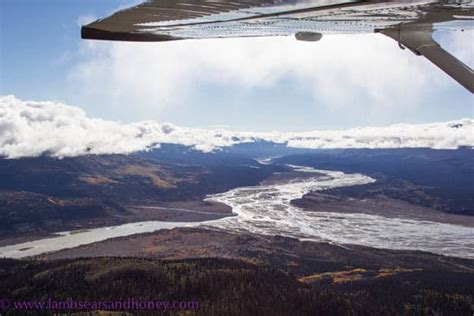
410, 23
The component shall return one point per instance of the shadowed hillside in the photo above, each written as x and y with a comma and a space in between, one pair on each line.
442, 179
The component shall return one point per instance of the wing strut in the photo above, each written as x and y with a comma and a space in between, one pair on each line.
420, 41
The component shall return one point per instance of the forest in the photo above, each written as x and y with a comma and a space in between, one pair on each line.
233, 287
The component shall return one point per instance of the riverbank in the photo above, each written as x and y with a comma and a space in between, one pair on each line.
178, 211
379, 205
278, 251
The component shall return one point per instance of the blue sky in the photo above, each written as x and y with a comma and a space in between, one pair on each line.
269, 84
36, 39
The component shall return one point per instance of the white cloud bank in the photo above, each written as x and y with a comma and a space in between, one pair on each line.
361, 76
30, 129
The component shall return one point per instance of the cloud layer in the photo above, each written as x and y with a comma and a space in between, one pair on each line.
366, 77
30, 129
